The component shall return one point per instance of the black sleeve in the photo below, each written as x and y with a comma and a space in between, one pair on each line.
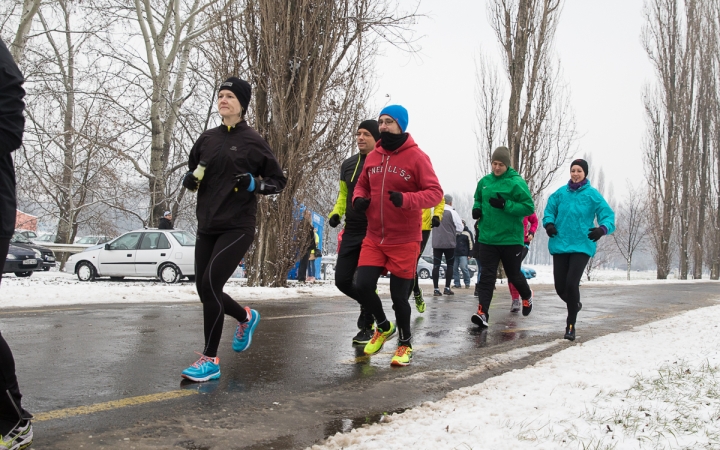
273, 179
194, 157
12, 121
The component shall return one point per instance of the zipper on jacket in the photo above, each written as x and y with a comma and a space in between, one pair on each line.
382, 219
352, 178
222, 147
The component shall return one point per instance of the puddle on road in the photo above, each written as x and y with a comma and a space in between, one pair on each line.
345, 425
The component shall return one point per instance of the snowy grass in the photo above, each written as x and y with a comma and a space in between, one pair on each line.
655, 387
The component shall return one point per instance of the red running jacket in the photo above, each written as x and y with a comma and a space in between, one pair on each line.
408, 170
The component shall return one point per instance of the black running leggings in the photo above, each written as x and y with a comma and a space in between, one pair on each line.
8, 380
568, 269
345, 267
425, 237
216, 258
437, 261
366, 283
490, 257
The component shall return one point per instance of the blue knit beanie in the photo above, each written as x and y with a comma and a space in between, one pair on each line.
398, 113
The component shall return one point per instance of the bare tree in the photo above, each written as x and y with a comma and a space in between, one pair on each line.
168, 32
309, 66
17, 47
663, 38
539, 124
631, 225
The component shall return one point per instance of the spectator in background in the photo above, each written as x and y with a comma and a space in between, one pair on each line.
463, 250
443, 240
165, 222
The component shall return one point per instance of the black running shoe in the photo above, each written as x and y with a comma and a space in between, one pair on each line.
480, 318
437, 293
447, 291
527, 305
363, 336
570, 332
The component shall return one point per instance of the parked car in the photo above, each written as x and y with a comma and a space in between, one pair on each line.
44, 254
472, 266
93, 240
28, 234
425, 268
21, 260
45, 239
165, 254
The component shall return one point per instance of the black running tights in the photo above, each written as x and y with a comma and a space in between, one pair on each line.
8, 380
490, 257
425, 237
347, 261
449, 262
216, 258
400, 288
568, 269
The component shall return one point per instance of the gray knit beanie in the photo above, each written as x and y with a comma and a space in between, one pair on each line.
502, 154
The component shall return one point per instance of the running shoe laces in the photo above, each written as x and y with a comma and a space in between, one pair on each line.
401, 350
203, 359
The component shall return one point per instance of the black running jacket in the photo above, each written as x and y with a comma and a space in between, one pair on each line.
230, 151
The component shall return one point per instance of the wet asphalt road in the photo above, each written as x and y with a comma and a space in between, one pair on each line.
300, 381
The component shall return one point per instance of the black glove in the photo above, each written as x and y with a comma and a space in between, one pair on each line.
334, 220
361, 204
551, 230
477, 213
396, 198
246, 182
498, 202
190, 182
596, 233
435, 221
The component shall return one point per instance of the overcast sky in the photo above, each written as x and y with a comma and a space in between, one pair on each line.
603, 63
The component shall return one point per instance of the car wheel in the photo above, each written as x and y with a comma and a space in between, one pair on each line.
116, 278
85, 271
424, 274
169, 273
23, 274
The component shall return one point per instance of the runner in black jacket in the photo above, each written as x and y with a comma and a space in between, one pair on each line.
355, 225
239, 164
15, 431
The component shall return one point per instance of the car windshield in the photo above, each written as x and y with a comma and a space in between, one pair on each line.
184, 238
19, 238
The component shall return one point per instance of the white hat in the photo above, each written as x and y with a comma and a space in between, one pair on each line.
167, 213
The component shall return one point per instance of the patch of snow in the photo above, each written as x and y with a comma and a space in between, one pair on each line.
652, 387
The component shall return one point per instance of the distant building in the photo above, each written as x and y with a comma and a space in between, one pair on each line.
25, 221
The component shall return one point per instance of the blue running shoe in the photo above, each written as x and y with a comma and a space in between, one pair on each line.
204, 369
245, 330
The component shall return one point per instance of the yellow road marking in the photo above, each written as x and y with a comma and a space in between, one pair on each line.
23, 311
115, 404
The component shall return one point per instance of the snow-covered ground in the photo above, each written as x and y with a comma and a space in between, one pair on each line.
56, 288
657, 386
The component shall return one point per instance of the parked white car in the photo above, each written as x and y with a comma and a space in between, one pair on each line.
165, 254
